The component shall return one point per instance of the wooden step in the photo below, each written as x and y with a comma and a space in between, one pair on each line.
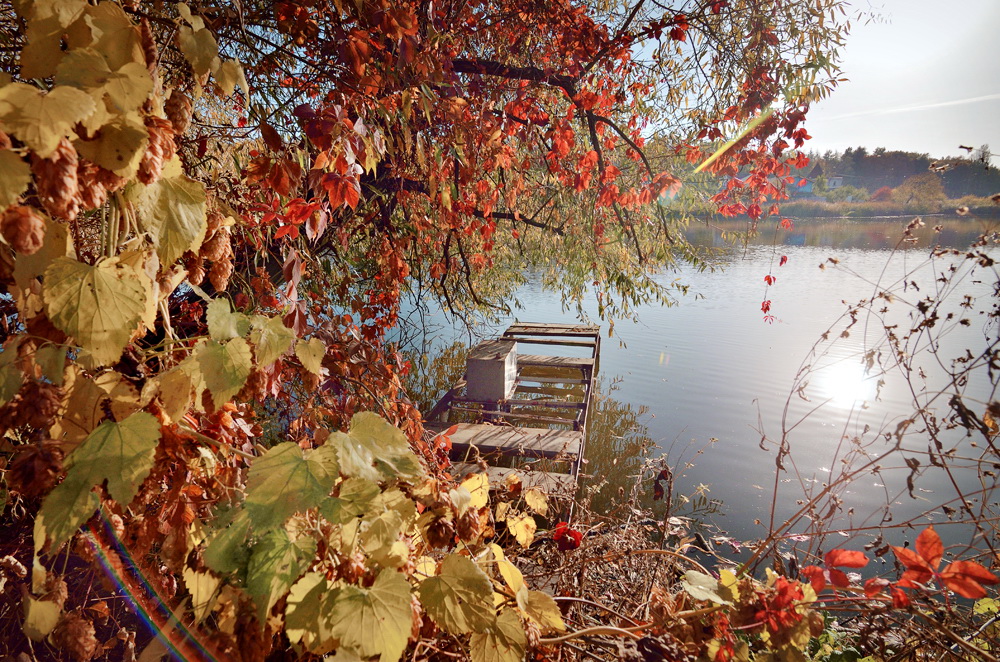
506, 440
562, 342
539, 361
551, 380
552, 483
547, 329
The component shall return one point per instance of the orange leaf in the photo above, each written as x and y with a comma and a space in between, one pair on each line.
929, 546
816, 576
914, 562
845, 558
966, 578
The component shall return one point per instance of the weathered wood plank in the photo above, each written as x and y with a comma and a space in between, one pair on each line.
552, 341
492, 414
524, 403
505, 440
552, 483
539, 361
551, 380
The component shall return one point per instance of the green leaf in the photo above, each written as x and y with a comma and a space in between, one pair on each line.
703, 587
11, 376
276, 561
374, 621
374, 449
380, 539
305, 620
40, 618
172, 209
286, 480
51, 359
42, 120
543, 610
15, 175
504, 642
460, 597
225, 367
119, 453
225, 551
354, 499
271, 338
223, 323
99, 305
311, 353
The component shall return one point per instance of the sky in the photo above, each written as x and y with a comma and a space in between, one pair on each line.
923, 78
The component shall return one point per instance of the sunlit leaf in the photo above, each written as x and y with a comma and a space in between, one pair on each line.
270, 338
374, 621
375, 450
703, 587
306, 619
311, 353
173, 211
99, 305
119, 453
287, 480
354, 499
108, 29
478, 486
522, 527
225, 367
229, 75
86, 69
536, 500
543, 610
459, 597
200, 48
223, 323
276, 562
14, 177
42, 120
203, 587
503, 642
40, 618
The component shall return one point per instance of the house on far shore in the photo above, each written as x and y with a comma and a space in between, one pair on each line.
804, 189
834, 182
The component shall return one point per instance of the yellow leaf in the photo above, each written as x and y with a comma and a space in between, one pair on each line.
229, 75
87, 70
523, 528
42, 120
124, 398
536, 500
15, 175
200, 49
118, 145
543, 610
56, 245
107, 29
82, 408
511, 575
311, 353
203, 587
479, 487
40, 618
64, 11
42, 50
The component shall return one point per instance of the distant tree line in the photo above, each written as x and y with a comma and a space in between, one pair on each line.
972, 174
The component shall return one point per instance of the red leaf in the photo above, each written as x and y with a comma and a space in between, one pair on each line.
874, 586
769, 279
966, 578
765, 306
816, 576
290, 230
783, 260
930, 547
845, 558
838, 578
899, 599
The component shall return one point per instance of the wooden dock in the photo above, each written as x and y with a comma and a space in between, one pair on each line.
543, 421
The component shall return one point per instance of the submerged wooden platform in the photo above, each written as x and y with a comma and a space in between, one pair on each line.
543, 421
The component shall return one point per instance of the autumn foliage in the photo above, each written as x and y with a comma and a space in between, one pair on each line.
209, 217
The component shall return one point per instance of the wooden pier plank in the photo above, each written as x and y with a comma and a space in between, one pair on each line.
552, 483
506, 440
540, 361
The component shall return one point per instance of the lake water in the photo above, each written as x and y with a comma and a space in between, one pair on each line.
706, 379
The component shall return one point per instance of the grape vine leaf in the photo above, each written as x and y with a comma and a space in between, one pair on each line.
42, 120
305, 620
276, 562
99, 305
503, 642
460, 597
374, 449
119, 453
15, 175
173, 211
224, 367
223, 323
354, 499
287, 480
374, 621
271, 338
311, 353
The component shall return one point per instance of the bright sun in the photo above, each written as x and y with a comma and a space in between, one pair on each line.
846, 384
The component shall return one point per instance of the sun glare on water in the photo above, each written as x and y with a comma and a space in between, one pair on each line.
846, 384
